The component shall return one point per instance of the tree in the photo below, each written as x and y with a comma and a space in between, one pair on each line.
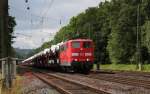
113, 28
11, 25
146, 40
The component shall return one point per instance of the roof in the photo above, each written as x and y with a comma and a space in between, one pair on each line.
80, 40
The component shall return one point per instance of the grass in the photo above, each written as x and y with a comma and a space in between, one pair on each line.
16, 86
125, 67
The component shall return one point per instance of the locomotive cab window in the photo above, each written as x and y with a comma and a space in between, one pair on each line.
87, 44
76, 44
63, 47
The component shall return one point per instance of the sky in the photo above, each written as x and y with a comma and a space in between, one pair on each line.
41, 22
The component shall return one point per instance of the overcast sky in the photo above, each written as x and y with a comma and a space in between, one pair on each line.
42, 20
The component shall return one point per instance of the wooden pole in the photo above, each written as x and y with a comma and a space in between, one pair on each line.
5, 40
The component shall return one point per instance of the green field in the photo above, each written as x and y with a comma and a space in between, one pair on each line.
126, 67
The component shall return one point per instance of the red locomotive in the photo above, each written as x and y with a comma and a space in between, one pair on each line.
76, 55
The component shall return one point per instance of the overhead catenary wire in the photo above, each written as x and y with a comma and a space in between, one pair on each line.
33, 15
35, 21
44, 14
23, 35
35, 18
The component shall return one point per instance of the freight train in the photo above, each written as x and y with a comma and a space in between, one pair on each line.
73, 55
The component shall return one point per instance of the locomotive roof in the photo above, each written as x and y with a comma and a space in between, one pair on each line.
76, 40
80, 40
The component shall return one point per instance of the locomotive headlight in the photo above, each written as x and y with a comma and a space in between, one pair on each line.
75, 59
87, 59
75, 54
88, 54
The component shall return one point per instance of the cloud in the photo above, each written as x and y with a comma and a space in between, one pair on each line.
34, 38
42, 16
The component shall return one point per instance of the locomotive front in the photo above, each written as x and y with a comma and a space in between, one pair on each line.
77, 55
82, 52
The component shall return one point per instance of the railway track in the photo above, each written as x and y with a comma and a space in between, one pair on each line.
64, 86
138, 79
124, 73
138, 74
110, 86
94, 83
123, 80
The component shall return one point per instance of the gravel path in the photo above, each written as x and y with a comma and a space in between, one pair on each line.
32, 85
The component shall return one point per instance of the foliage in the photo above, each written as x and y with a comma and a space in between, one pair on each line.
146, 42
124, 67
146, 35
11, 25
8, 35
22, 53
122, 40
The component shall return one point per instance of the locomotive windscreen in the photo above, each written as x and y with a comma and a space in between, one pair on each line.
87, 44
76, 44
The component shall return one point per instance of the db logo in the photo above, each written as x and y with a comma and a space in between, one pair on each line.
81, 54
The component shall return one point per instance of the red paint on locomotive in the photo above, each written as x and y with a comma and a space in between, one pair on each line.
79, 51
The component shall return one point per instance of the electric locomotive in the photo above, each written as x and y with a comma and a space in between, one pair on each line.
77, 55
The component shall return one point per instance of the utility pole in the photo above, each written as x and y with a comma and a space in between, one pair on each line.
89, 31
5, 40
8, 78
138, 46
98, 62
2, 53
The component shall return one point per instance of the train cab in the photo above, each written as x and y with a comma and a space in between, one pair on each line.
77, 54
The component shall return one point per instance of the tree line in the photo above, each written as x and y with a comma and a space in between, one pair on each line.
8, 35
112, 25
